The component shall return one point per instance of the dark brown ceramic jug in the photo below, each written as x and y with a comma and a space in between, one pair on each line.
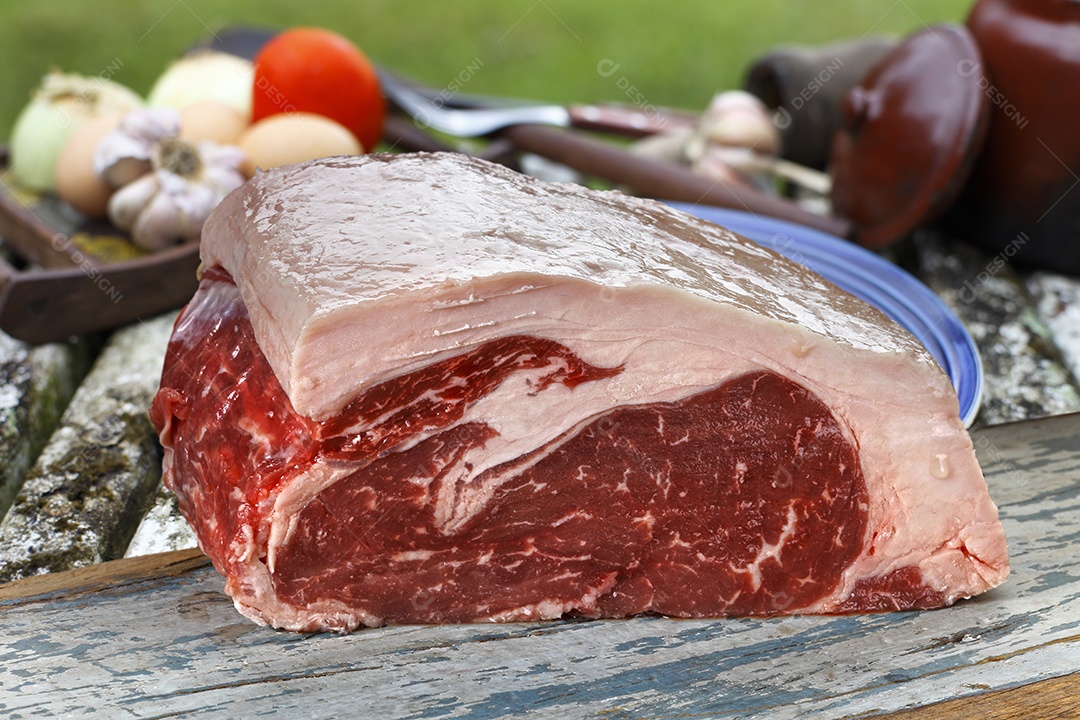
1023, 199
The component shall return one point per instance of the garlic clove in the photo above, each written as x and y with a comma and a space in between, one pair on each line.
194, 201
125, 171
221, 155
152, 125
746, 130
221, 168
224, 179
158, 225
129, 201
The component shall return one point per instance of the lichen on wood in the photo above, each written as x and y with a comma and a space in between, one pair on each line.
1025, 374
92, 482
1057, 299
162, 529
36, 384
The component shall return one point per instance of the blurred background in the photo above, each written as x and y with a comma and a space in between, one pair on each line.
677, 55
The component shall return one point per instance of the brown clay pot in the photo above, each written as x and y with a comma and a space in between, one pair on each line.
1022, 201
806, 85
913, 129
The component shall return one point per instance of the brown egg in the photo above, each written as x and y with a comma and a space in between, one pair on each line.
294, 137
76, 182
212, 120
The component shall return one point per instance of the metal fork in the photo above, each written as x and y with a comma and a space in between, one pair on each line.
473, 122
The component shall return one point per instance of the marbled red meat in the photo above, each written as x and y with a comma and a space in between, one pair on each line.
571, 424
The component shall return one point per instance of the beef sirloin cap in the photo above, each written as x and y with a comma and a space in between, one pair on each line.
436, 378
313, 246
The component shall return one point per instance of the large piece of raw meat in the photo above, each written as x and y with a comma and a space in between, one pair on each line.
424, 388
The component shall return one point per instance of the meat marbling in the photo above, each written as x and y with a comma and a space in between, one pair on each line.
424, 388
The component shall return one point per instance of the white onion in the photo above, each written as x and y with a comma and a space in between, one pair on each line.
58, 108
206, 75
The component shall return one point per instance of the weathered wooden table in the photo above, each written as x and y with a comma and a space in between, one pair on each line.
152, 635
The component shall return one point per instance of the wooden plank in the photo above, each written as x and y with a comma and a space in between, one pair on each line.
1054, 699
112, 575
93, 480
1025, 374
166, 643
36, 384
1057, 300
162, 528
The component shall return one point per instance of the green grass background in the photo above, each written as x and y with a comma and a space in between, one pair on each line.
671, 54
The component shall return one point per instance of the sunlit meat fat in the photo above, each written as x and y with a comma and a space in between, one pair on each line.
424, 389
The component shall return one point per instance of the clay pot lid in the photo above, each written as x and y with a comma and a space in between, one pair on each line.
912, 131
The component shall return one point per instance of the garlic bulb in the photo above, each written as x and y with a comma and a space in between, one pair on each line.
185, 181
735, 141
62, 104
734, 119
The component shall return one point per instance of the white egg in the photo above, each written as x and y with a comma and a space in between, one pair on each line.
294, 137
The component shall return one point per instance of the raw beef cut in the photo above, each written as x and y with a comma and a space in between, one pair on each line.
423, 388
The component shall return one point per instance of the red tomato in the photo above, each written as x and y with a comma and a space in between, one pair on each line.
318, 71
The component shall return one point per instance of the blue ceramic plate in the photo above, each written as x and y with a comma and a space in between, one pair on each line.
875, 280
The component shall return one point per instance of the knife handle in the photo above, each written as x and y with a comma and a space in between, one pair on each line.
628, 121
661, 180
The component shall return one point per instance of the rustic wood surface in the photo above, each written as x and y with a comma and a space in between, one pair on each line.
1020, 323
1054, 699
1024, 324
89, 488
155, 637
36, 384
163, 527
